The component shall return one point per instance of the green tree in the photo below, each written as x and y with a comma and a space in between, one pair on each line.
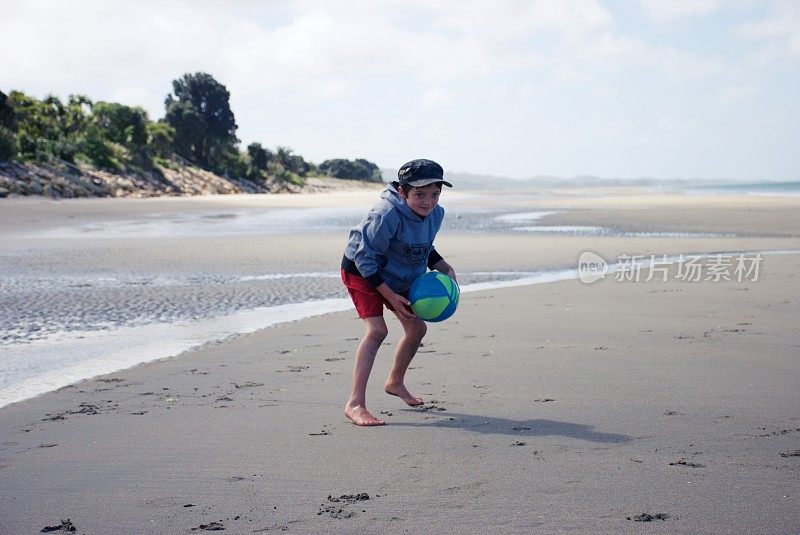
49, 127
6, 112
8, 141
259, 156
294, 163
122, 124
102, 153
8, 144
359, 169
234, 164
160, 137
258, 161
200, 113
116, 136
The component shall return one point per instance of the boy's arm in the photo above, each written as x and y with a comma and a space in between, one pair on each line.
444, 267
377, 230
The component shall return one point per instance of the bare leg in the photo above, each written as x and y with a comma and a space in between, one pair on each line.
414, 331
356, 407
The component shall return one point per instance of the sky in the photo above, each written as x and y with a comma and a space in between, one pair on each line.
688, 89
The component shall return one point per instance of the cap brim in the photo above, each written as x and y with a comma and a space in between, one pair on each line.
426, 181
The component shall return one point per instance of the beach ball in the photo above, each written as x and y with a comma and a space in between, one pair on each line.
434, 296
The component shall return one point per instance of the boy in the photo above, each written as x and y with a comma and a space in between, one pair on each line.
390, 248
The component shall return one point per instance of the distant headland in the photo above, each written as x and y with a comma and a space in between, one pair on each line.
82, 148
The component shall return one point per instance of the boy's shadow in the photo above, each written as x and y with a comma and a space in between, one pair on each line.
527, 428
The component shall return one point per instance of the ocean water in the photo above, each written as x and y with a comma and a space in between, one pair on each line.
787, 188
96, 323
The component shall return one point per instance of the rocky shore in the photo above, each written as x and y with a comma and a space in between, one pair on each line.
59, 181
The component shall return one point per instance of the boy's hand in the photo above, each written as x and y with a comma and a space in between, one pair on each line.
402, 308
443, 267
399, 303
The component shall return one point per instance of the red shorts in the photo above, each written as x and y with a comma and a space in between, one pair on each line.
368, 301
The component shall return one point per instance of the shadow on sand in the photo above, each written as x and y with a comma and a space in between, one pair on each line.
519, 428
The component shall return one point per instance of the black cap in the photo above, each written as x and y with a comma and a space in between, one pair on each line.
418, 173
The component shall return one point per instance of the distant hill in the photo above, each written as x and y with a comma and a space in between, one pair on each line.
472, 181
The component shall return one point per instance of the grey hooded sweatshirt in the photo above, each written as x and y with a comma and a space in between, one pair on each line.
393, 244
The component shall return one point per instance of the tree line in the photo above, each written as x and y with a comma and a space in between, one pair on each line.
198, 126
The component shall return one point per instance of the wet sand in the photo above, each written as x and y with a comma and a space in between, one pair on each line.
555, 407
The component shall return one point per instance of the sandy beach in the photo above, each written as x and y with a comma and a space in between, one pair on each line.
617, 406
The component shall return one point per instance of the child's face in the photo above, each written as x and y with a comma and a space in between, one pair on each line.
423, 200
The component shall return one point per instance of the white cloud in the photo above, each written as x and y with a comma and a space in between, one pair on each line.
322, 49
616, 52
778, 31
438, 97
671, 125
736, 94
793, 44
664, 11
447, 40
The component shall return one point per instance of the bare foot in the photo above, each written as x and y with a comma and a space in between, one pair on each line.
361, 416
402, 392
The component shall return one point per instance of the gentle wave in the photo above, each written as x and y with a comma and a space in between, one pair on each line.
605, 231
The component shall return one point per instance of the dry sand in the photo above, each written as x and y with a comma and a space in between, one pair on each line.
549, 408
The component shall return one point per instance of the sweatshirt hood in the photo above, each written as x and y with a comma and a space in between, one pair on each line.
393, 196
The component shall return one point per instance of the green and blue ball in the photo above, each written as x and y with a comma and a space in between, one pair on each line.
434, 296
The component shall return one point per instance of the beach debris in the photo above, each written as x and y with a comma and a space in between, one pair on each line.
83, 408
519, 443
66, 526
341, 507
335, 512
248, 384
543, 400
213, 526
189, 505
795, 453
349, 498
776, 433
295, 369
689, 464
646, 517
51, 445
